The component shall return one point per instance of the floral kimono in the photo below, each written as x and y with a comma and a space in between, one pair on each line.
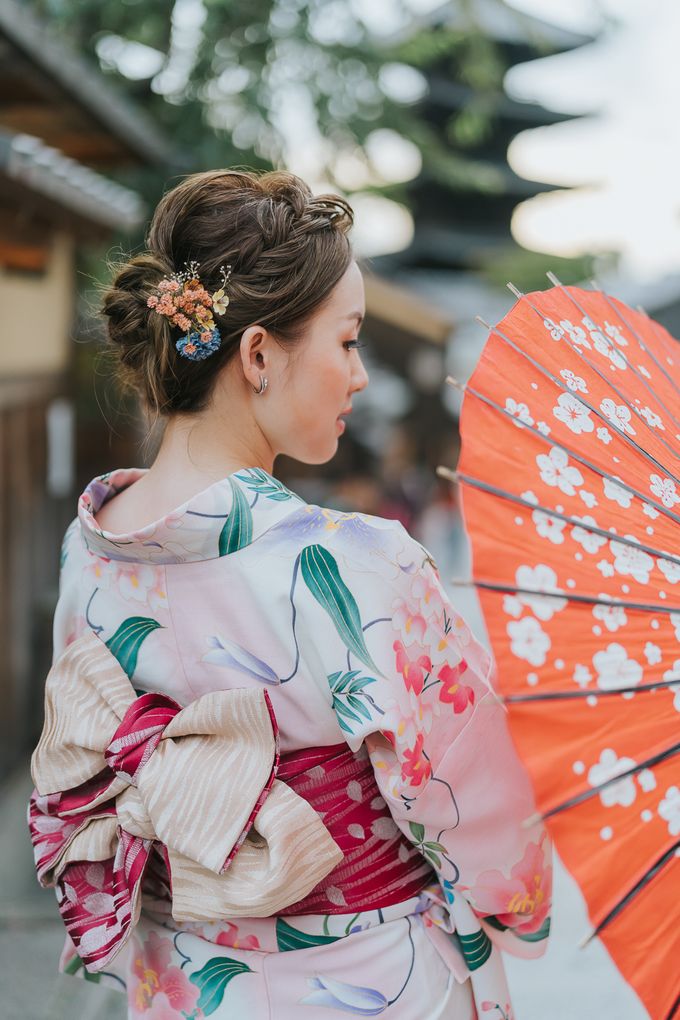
275, 780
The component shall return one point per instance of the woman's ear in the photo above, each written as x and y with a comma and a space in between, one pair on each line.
254, 349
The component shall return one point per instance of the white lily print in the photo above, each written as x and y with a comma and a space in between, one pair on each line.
574, 414
604, 435
556, 471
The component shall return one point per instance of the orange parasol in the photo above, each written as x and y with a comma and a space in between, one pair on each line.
570, 483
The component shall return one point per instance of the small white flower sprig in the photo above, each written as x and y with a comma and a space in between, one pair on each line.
183, 299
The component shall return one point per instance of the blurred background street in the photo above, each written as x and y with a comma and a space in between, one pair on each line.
479, 141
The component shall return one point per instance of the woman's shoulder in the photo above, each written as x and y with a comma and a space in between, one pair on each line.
360, 541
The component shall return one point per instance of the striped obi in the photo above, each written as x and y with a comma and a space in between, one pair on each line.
131, 791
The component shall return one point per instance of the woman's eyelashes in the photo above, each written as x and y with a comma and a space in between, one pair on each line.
352, 345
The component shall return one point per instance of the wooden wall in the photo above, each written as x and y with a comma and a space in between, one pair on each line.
32, 523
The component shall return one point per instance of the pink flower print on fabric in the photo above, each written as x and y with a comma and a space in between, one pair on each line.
79, 627
222, 933
158, 991
98, 570
140, 582
415, 767
413, 665
231, 937
409, 622
502, 1012
523, 893
452, 690
404, 720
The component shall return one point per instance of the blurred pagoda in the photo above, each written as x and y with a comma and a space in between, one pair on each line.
462, 215
462, 203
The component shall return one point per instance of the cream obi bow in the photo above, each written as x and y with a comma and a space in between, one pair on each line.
118, 776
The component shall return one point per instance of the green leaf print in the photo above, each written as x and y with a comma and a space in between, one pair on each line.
531, 936
265, 485
322, 577
75, 964
417, 832
476, 948
238, 527
213, 978
432, 852
288, 938
126, 642
349, 686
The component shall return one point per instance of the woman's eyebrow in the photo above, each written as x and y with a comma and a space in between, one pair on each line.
356, 315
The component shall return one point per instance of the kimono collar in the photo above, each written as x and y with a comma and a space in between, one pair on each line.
221, 519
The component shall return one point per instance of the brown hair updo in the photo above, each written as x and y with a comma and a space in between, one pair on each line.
287, 248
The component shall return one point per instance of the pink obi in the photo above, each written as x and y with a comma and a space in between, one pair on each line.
138, 793
380, 865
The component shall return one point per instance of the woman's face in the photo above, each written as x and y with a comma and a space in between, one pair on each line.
313, 393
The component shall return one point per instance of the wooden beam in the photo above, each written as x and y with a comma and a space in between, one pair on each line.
30, 258
406, 311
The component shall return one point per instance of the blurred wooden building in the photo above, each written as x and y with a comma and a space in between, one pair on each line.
63, 129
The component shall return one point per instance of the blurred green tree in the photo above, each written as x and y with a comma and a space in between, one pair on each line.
224, 76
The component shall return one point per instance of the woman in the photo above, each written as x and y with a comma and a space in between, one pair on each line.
266, 714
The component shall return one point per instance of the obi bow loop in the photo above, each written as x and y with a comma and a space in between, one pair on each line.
118, 776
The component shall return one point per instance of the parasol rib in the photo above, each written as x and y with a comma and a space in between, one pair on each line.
658, 866
579, 798
637, 336
641, 344
570, 695
591, 407
572, 453
476, 483
511, 589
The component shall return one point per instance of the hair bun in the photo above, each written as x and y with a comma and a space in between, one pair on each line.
285, 259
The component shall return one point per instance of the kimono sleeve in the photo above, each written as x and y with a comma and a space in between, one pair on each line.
446, 765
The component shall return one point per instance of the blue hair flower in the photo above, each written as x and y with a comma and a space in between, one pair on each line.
192, 347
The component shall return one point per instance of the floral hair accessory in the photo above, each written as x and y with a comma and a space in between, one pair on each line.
183, 299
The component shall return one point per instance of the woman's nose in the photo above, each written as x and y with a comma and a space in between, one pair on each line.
360, 377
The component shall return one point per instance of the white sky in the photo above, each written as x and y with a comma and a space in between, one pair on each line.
625, 154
